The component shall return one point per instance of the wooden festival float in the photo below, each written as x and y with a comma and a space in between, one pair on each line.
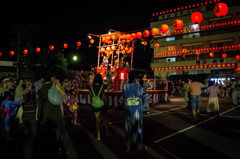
116, 49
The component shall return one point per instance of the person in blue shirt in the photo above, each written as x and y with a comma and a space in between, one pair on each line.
8, 108
134, 95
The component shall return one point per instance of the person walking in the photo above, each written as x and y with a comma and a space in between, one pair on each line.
8, 108
38, 85
195, 92
19, 94
100, 111
235, 89
213, 103
52, 119
133, 98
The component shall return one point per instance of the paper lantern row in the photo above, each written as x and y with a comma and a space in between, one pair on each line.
194, 67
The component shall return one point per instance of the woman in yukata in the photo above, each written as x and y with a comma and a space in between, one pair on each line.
133, 98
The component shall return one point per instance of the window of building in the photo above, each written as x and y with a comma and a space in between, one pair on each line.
195, 72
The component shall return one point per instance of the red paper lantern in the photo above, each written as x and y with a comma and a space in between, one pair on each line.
144, 43
211, 54
0, 54
238, 57
221, 9
51, 47
79, 43
91, 41
25, 51
164, 28
157, 45
11, 53
196, 17
146, 33
38, 49
224, 55
133, 35
128, 36
65, 45
139, 35
178, 24
154, 31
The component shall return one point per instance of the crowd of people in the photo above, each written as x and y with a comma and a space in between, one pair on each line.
53, 96
193, 91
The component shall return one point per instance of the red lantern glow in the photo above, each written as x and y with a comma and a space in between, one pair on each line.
196, 17
11, 53
238, 57
133, 35
79, 43
25, 51
65, 45
157, 45
144, 43
91, 41
221, 9
164, 28
211, 54
178, 24
128, 36
139, 35
38, 49
0, 54
224, 55
51, 47
146, 33
154, 31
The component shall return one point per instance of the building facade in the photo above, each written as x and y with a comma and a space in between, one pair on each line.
210, 47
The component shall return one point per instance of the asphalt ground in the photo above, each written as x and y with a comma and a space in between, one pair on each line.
169, 133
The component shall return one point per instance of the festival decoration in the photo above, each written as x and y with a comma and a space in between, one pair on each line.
134, 36
79, 43
11, 53
146, 33
139, 35
224, 55
25, 52
196, 17
178, 24
51, 47
157, 45
145, 43
154, 31
211, 54
164, 28
38, 49
0, 54
91, 41
238, 57
65, 46
221, 9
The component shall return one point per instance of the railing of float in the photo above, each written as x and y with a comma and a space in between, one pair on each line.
112, 98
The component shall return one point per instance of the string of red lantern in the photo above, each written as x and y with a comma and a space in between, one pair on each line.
195, 66
186, 7
203, 50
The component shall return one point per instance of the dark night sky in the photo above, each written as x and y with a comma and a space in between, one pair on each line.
69, 21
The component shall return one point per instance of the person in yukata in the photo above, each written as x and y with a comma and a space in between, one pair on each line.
134, 95
8, 108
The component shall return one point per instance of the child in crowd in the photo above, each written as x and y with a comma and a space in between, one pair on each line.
73, 106
8, 108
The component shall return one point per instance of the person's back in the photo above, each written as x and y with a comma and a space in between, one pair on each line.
195, 88
213, 90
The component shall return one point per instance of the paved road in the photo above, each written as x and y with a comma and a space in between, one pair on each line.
168, 132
